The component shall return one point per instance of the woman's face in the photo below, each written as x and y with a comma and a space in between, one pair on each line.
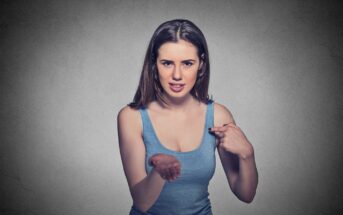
177, 65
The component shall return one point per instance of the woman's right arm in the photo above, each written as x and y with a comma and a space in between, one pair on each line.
144, 189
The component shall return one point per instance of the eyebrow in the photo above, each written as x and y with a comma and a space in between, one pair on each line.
181, 61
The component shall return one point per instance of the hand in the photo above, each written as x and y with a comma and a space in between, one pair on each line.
166, 165
232, 139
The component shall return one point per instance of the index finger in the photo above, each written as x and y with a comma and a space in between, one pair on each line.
217, 128
221, 128
230, 124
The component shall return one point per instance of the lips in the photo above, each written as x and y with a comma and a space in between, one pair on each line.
176, 87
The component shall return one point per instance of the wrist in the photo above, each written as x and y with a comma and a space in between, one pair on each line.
155, 174
152, 161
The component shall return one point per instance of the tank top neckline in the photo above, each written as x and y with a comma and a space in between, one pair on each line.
177, 152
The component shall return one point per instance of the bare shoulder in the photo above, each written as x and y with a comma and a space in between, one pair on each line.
128, 114
222, 115
127, 111
129, 118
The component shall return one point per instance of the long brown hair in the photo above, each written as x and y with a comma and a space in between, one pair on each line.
149, 88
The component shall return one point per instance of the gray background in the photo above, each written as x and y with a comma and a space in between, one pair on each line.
67, 67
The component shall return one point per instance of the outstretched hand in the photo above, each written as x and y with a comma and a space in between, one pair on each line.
232, 139
166, 165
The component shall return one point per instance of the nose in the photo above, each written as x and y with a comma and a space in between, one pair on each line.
177, 73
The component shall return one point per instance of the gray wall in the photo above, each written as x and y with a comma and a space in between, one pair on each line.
67, 67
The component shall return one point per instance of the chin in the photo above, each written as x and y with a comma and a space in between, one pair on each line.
179, 95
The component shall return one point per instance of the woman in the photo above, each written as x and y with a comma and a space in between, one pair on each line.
169, 133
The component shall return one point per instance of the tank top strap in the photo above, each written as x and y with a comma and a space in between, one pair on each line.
151, 141
145, 119
210, 114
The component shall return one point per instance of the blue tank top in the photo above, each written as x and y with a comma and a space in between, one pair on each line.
188, 194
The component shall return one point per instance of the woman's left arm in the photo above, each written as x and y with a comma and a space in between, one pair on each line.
236, 154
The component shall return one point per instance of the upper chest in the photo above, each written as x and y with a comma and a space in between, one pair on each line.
179, 132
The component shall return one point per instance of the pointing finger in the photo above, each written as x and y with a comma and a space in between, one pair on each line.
232, 124
217, 128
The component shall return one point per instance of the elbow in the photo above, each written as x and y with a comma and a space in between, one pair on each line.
139, 204
141, 207
247, 198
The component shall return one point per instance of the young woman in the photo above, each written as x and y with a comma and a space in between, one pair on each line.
169, 133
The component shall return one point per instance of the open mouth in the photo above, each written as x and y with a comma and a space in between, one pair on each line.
176, 87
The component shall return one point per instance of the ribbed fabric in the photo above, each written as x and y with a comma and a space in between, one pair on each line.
188, 194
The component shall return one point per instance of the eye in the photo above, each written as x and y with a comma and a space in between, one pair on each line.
188, 64
166, 63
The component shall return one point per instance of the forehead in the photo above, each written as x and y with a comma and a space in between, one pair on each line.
177, 50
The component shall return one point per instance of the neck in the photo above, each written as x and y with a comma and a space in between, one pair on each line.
179, 104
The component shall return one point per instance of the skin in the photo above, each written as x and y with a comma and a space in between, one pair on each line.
146, 188
178, 63
235, 150
229, 138
166, 165
236, 155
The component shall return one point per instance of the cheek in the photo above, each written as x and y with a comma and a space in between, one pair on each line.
163, 76
192, 75
161, 73
163, 79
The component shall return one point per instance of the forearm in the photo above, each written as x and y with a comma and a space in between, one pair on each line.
246, 184
146, 192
